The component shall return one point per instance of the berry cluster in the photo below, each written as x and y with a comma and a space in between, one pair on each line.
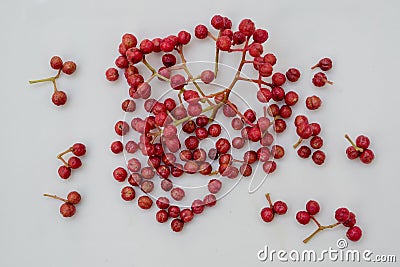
320, 78
360, 149
305, 131
342, 215
278, 207
59, 97
74, 162
67, 209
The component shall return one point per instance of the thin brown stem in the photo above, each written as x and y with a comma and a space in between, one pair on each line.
60, 156
359, 149
153, 71
319, 229
268, 197
298, 143
56, 197
257, 81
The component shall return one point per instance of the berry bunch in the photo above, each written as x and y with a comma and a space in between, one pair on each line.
306, 130
320, 78
342, 215
67, 209
360, 149
278, 207
74, 162
59, 97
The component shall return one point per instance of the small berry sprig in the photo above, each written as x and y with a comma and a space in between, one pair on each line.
342, 215
67, 209
306, 130
278, 207
59, 97
320, 78
74, 162
360, 149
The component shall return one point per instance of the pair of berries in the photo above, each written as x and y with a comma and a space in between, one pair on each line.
67, 209
74, 162
278, 207
359, 149
320, 78
342, 215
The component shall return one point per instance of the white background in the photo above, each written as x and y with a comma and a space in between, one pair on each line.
361, 37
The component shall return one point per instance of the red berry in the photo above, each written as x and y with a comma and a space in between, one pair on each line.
217, 22
177, 225
128, 193
280, 207
224, 43
197, 206
324, 64
112, 74
247, 27
278, 79
120, 174
300, 119
291, 98
74, 162
362, 141
64, 172
320, 79
59, 98
270, 58
74, 197
184, 37
312, 207
354, 233
121, 128
162, 203
117, 147
303, 217
267, 214
129, 40
222, 145
367, 156
269, 166
177, 193
69, 67
351, 221
201, 31
145, 202
342, 214
56, 62
186, 215
352, 153
67, 209
293, 75
304, 152
318, 157
78, 149
260, 36
210, 200
316, 142
313, 102
162, 216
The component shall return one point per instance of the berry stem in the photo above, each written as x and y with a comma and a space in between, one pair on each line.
213, 173
212, 36
177, 122
229, 103
315, 66
60, 156
216, 57
298, 143
359, 149
50, 79
316, 221
319, 229
56, 197
153, 71
257, 81
327, 81
268, 197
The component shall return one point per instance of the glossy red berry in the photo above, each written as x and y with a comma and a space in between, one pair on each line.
128, 193
59, 98
78, 149
312, 207
293, 74
64, 172
303, 217
69, 67
280, 207
186, 215
362, 141
267, 214
313, 102
367, 156
56, 62
67, 209
318, 157
304, 152
354, 233
201, 31
117, 147
162, 216
74, 197
177, 225
351, 221
324, 64
74, 162
145, 202
342, 214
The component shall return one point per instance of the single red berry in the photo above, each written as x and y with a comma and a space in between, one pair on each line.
197, 206
247, 27
112, 74
224, 43
166, 185
67, 209
174, 211
264, 95
304, 131
117, 147
162, 203
316, 142
316, 128
318, 157
354, 233
291, 98
267, 214
177, 225
217, 21
362, 141
303, 217
191, 142
121, 62
184, 37
293, 74
260, 36
74, 162
320, 79
121, 128
313, 102
278, 79
367, 156
201, 31
278, 94
256, 49
285, 111
270, 58
69, 67
78, 149
300, 119
56, 62
342, 214
186, 215
238, 38
64, 172
128, 193
120, 174
162, 216
145, 202
269, 166
129, 40
304, 152
222, 145
324, 64
177, 193
351, 221
279, 126
265, 69
210, 200
74, 197
59, 98
312, 207
280, 207
352, 153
